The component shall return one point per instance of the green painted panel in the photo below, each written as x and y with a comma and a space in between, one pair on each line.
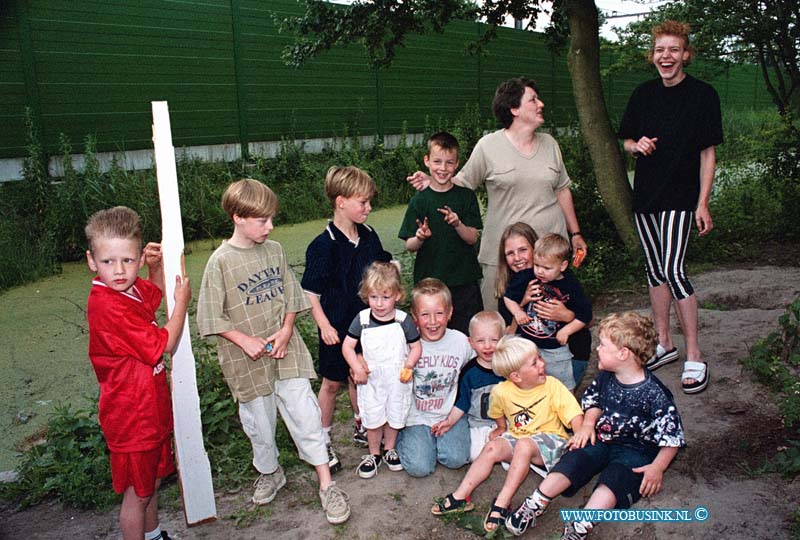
96, 65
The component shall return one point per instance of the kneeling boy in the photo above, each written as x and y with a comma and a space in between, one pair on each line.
444, 353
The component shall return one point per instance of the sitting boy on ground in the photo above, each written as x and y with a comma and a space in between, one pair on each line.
531, 410
631, 422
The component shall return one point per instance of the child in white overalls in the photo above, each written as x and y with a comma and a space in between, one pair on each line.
390, 345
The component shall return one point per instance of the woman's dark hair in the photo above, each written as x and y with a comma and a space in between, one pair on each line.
509, 96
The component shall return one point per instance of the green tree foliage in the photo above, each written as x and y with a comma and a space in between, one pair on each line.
381, 26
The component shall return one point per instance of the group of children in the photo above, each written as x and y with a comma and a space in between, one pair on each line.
422, 391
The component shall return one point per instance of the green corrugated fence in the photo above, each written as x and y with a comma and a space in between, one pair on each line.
92, 67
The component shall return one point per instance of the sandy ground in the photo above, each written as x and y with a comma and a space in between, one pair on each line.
731, 426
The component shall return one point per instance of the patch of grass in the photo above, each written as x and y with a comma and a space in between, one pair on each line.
715, 306
753, 472
247, 515
775, 361
787, 461
169, 496
795, 526
72, 463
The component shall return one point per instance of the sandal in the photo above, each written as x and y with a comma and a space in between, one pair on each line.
495, 520
450, 504
697, 371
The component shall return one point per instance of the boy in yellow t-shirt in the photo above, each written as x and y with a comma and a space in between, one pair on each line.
531, 411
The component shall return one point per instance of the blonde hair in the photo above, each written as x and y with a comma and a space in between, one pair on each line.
249, 198
632, 331
552, 246
348, 182
488, 318
116, 222
503, 274
431, 287
511, 353
672, 28
380, 276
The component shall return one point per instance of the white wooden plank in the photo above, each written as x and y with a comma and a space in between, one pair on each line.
194, 470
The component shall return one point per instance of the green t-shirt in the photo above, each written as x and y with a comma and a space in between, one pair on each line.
444, 255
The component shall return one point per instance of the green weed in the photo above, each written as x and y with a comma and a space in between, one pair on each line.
787, 462
795, 525
249, 514
715, 306
775, 361
73, 464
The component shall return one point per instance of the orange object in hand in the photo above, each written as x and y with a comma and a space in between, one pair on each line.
406, 374
580, 253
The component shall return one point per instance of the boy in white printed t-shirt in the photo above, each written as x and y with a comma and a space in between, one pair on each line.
444, 353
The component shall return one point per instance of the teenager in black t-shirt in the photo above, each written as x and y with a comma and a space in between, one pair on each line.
671, 125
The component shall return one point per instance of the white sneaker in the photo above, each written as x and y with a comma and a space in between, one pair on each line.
267, 486
334, 502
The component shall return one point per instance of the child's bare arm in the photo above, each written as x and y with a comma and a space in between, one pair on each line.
654, 472
155, 265
520, 317
328, 333
584, 432
174, 326
466, 233
440, 428
407, 371
499, 429
570, 328
414, 353
359, 369
423, 233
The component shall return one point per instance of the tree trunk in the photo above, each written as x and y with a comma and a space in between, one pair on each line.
609, 167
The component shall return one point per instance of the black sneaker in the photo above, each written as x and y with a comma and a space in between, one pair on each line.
368, 466
165, 536
360, 435
662, 358
333, 460
392, 460
524, 517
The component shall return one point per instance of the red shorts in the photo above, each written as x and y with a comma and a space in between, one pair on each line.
141, 469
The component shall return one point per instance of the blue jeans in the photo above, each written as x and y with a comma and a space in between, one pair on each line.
613, 463
419, 450
578, 370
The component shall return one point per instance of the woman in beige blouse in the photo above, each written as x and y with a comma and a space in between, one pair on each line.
524, 174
